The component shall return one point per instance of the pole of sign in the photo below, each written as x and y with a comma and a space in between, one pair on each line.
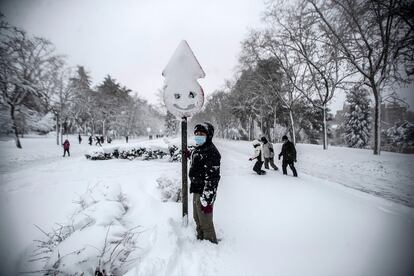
183, 97
184, 187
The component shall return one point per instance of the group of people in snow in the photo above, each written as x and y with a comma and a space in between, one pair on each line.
204, 173
264, 153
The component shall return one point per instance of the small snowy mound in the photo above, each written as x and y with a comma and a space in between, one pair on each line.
94, 238
170, 189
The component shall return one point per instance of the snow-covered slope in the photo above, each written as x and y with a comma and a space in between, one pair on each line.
268, 225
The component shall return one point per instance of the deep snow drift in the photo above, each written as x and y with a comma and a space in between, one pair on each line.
269, 225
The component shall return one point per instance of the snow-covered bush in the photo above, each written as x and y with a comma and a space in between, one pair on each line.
170, 189
95, 237
400, 138
41, 123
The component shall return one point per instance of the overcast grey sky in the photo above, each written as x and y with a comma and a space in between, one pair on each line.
133, 40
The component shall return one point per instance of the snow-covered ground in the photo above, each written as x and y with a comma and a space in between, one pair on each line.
268, 225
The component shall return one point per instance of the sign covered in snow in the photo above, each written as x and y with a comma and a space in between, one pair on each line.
183, 95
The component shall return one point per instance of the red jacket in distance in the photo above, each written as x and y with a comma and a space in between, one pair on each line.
66, 145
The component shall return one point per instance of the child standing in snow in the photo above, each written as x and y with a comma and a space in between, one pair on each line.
259, 158
204, 175
66, 146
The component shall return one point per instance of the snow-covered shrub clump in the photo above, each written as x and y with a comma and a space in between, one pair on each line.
170, 189
95, 237
131, 154
401, 137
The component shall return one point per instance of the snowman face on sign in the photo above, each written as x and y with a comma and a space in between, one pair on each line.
183, 96
184, 102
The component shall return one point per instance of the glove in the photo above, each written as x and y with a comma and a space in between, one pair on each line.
295, 161
207, 209
187, 153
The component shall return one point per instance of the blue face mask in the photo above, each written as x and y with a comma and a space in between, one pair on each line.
200, 139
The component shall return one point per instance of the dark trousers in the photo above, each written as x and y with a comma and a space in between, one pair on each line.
258, 166
285, 163
204, 222
64, 152
270, 161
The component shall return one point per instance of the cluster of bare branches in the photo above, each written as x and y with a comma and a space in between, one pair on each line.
319, 47
34, 77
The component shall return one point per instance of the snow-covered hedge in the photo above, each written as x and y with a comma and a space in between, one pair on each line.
95, 237
140, 151
132, 153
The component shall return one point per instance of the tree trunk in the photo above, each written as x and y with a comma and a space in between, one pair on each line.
250, 129
274, 128
103, 128
57, 130
325, 129
292, 123
16, 132
377, 122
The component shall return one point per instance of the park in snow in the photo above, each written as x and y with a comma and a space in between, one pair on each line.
348, 213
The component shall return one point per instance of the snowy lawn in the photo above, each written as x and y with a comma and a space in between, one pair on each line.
268, 225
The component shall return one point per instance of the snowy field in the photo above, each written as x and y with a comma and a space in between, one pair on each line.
348, 213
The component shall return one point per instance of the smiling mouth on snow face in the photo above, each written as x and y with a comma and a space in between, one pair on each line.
191, 106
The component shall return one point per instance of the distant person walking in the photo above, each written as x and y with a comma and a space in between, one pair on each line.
289, 156
66, 146
268, 154
126, 139
80, 138
98, 141
259, 158
90, 140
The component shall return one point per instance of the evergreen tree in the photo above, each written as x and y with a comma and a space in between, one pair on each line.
357, 119
171, 124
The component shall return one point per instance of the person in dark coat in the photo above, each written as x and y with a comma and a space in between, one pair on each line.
258, 155
98, 141
204, 176
66, 146
90, 140
289, 156
80, 138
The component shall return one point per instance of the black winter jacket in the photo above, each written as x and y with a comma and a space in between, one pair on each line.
288, 151
205, 171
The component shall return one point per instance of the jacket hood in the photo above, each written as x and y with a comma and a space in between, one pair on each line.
207, 128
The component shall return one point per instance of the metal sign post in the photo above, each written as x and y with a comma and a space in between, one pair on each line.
183, 97
184, 186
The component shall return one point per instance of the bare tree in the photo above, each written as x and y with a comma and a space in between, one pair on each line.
376, 39
271, 56
23, 62
295, 34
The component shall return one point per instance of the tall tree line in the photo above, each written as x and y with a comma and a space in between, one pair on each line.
308, 51
35, 81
